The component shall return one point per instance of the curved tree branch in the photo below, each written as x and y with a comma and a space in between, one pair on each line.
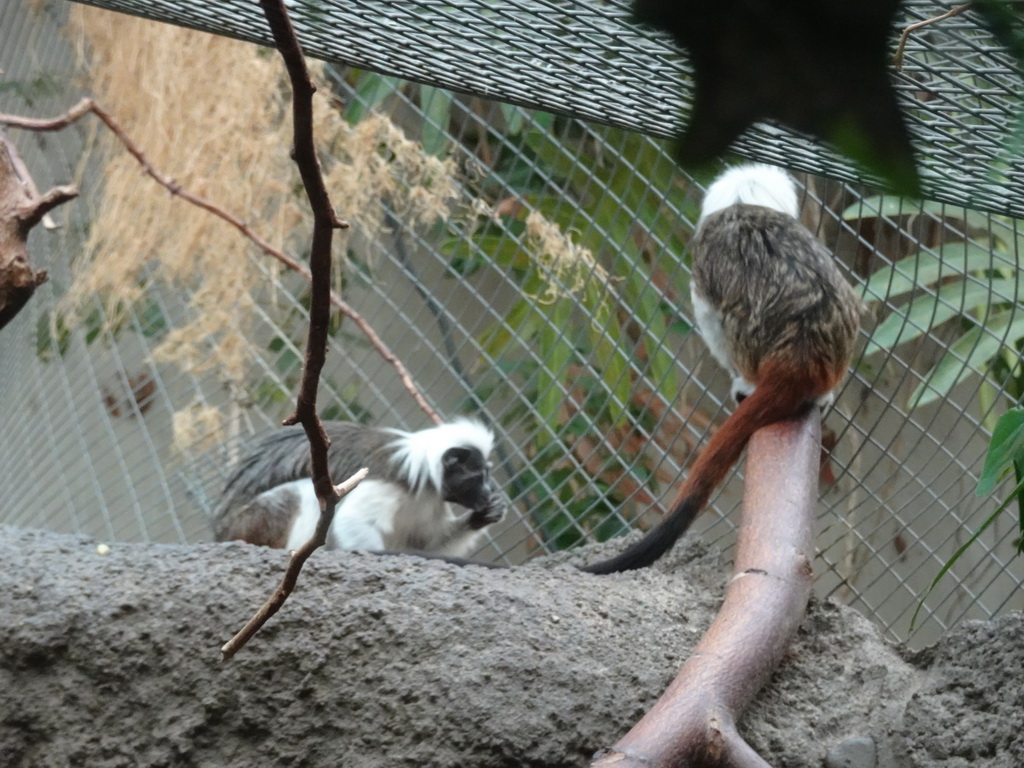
21, 208
693, 724
88, 106
325, 221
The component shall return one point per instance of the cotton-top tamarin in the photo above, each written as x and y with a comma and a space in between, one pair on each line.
774, 310
404, 503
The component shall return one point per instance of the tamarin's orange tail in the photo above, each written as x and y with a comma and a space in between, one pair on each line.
780, 394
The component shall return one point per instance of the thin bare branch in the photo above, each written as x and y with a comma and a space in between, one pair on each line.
346, 487
897, 58
83, 107
22, 172
284, 589
325, 221
88, 106
32, 212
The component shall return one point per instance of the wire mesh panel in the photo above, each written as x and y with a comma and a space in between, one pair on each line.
525, 268
959, 90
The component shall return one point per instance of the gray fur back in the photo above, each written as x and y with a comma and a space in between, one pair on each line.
283, 456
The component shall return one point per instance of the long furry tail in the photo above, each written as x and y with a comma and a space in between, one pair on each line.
779, 397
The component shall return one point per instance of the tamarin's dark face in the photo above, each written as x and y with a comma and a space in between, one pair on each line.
466, 479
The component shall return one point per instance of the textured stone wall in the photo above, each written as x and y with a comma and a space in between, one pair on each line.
113, 660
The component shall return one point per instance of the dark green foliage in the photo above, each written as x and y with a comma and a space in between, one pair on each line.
1006, 455
570, 358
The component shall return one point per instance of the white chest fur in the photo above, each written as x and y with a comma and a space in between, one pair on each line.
378, 515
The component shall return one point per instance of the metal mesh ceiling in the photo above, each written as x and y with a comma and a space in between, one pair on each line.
959, 89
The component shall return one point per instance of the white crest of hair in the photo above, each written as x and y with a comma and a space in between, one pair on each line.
418, 454
752, 184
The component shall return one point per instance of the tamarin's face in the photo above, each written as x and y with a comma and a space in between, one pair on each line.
466, 479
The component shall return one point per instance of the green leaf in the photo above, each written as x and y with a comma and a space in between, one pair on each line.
1018, 471
371, 90
928, 268
956, 555
930, 310
95, 327
578, 425
968, 355
891, 207
287, 361
610, 527
437, 105
514, 119
553, 153
1004, 231
152, 321
611, 363
543, 120
1004, 21
269, 392
520, 326
648, 309
557, 352
333, 412
561, 533
502, 250
1005, 448
45, 342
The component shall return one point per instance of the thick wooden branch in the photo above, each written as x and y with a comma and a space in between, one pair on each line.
694, 723
21, 209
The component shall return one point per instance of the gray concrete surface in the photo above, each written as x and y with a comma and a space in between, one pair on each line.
111, 660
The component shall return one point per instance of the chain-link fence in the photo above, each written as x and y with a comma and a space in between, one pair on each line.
525, 267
